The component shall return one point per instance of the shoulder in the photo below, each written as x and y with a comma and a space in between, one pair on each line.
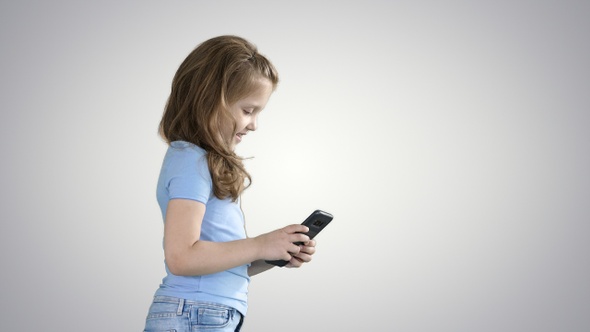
186, 157
185, 152
185, 173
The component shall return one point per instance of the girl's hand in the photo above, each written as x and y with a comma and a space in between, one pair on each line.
304, 256
279, 244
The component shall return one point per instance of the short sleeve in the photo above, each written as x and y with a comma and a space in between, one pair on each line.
187, 173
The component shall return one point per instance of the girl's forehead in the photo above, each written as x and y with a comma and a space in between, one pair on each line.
258, 95
260, 86
261, 82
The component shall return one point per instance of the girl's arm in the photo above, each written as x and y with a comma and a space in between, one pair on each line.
187, 255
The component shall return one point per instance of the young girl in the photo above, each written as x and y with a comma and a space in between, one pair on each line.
217, 95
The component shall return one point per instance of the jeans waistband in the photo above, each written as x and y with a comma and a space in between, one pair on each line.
182, 302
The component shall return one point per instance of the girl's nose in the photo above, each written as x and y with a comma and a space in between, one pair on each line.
253, 124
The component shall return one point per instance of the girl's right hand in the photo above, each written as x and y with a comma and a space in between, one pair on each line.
279, 244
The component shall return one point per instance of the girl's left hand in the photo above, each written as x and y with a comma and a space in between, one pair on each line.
304, 255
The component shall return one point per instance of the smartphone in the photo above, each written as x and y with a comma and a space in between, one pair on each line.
316, 221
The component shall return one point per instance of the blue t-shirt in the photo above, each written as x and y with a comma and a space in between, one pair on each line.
185, 174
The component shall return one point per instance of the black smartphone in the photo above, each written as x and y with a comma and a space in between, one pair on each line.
316, 221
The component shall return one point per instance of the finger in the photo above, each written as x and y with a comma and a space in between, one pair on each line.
307, 250
294, 249
299, 237
310, 243
295, 262
304, 258
296, 228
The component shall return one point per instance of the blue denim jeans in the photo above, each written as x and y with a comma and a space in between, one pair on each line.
171, 314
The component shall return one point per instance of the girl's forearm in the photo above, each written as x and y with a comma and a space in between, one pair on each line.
205, 257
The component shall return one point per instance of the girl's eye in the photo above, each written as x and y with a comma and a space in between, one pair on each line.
248, 112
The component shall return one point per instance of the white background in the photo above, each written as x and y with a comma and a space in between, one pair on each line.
450, 139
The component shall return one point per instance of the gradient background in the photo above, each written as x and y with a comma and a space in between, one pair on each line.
449, 139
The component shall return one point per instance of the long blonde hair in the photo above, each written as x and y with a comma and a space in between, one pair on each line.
216, 74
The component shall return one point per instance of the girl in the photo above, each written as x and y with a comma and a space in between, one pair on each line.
217, 95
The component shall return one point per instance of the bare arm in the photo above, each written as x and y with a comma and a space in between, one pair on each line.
186, 254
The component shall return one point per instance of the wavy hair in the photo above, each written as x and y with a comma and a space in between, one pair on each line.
217, 73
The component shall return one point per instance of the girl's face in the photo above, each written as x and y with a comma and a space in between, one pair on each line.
245, 111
